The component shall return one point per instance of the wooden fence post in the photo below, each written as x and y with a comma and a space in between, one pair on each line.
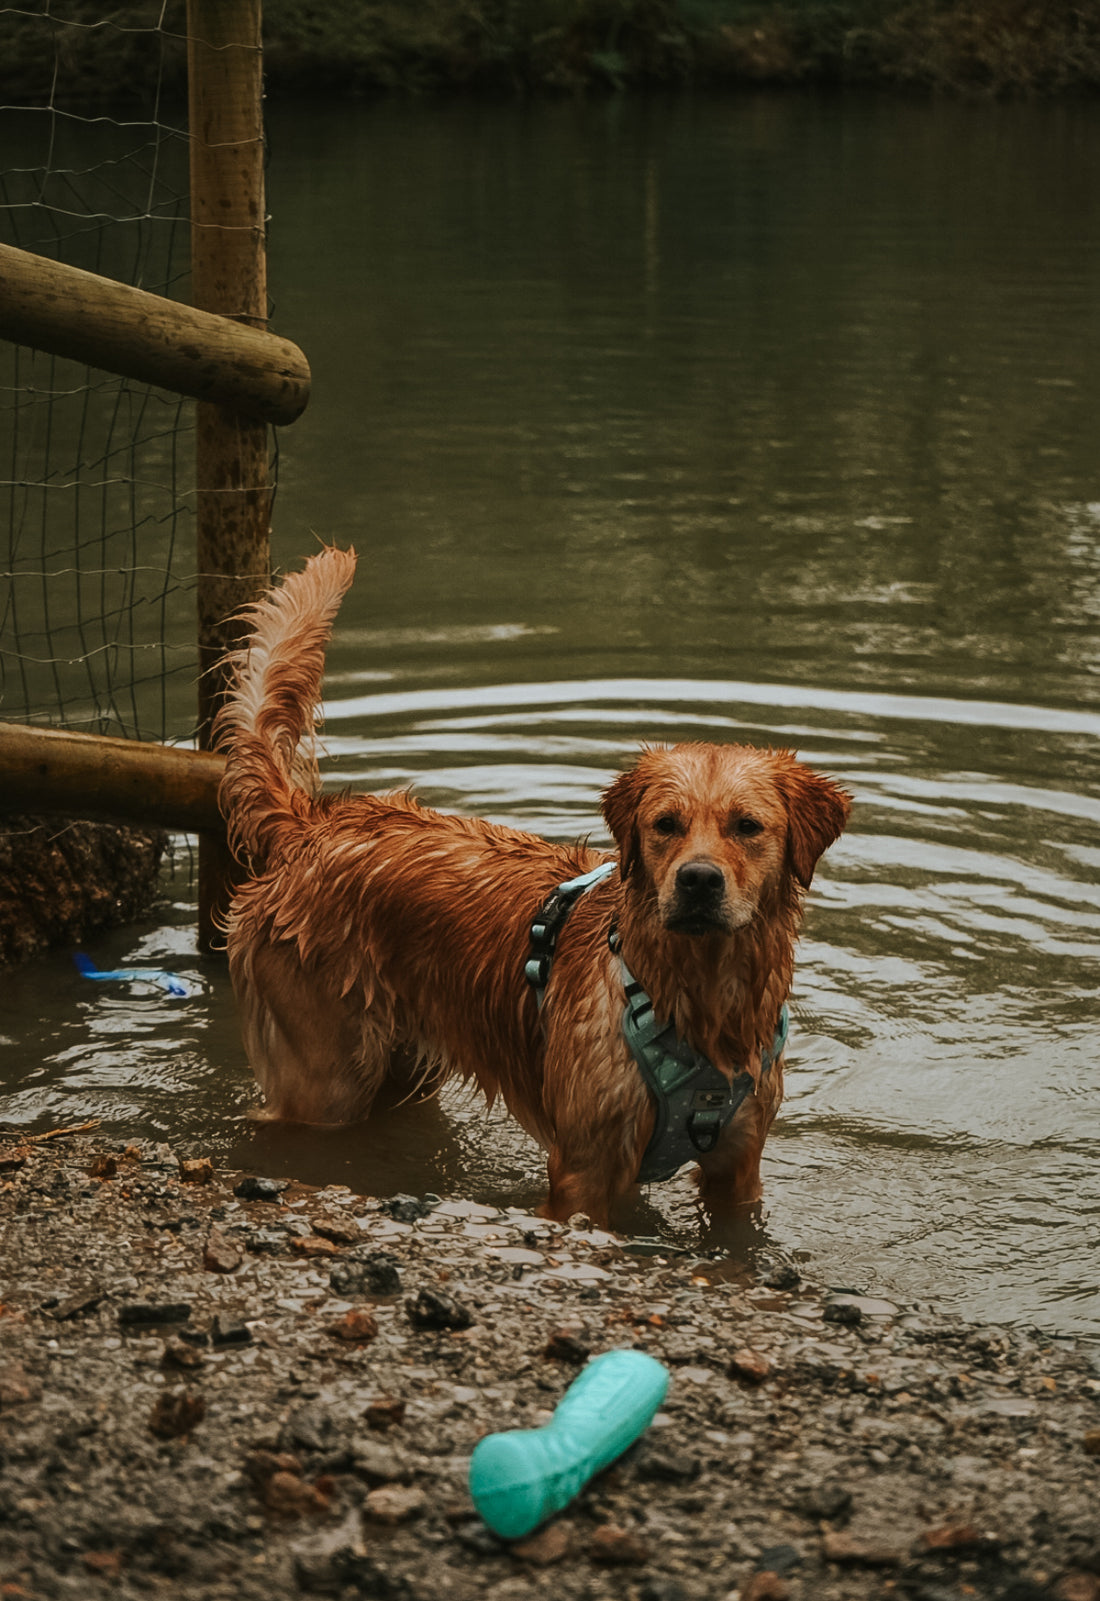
229, 276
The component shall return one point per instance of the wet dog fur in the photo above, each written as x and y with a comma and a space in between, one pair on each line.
374, 931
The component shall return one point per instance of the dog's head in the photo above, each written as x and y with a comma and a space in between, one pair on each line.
714, 830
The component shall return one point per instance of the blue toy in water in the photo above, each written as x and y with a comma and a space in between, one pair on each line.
522, 1477
149, 975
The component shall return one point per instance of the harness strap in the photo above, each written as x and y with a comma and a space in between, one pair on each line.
693, 1101
551, 919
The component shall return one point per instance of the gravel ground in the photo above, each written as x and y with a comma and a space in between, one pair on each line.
222, 1387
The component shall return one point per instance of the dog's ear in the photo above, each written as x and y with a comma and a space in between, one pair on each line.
817, 810
620, 809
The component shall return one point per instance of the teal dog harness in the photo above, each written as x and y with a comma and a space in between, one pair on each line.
694, 1102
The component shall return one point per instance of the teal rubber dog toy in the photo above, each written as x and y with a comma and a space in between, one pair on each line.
522, 1477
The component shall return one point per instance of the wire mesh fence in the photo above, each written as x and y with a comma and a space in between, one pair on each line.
96, 472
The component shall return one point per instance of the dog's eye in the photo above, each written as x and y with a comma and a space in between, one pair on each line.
668, 824
747, 827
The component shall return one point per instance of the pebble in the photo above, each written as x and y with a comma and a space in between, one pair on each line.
253, 1188
617, 1547
394, 1503
432, 1309
221, 1255
176, 1412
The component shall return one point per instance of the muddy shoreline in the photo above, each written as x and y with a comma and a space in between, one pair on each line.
214, 1385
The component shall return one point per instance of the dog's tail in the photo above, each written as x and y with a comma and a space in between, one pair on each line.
267, 723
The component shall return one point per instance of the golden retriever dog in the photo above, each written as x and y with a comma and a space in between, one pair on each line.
374, 931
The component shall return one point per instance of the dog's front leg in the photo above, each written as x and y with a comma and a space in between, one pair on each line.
577, 1188
730, 1175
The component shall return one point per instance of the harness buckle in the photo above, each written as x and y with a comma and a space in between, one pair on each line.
704, 1128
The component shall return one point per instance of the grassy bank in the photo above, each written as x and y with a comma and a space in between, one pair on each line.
92, 50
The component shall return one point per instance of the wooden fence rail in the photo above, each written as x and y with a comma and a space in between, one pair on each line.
69, 312
118, 780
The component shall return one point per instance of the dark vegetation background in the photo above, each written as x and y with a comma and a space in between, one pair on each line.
366, 47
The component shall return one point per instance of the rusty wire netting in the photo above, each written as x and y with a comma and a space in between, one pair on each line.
96, 481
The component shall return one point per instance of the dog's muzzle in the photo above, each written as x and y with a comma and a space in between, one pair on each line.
699, 901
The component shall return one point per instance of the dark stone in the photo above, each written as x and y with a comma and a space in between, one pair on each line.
783, 1277
661, 1589
566, 1346
226, 1330
254, 1188
405, 1208
668, 1466
431, 1309
373, 1273
309, 1427
843, 1312
779, 1559
825, 1501
266, 1242
140, 1314
478, 1538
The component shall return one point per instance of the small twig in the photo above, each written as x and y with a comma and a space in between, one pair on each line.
59, 1133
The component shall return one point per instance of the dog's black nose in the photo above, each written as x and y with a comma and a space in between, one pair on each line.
700, 881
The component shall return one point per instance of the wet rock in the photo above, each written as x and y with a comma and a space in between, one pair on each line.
615, 1546
340, 1230
104, 1564
259, 1465
550, 1544
845, 1311
661, 1588
77, 1305
376, 1463
783, 1277
370, 1273
267, 1242
286, 1495
384, 1412
221, 1255
197, 1170
355, 1327
394, 1503
147, 1314
17, 1387
667, 1465
749, 1366
325, 1561
254, 1188
406, 1208
952, 1537
780, 1559
567, 1345
827, 1502
312, 1427
176, 1412
765, 1585
178, 1354
851, 1551
433, 1309
1091, 1442
228, 1330
314, 1246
